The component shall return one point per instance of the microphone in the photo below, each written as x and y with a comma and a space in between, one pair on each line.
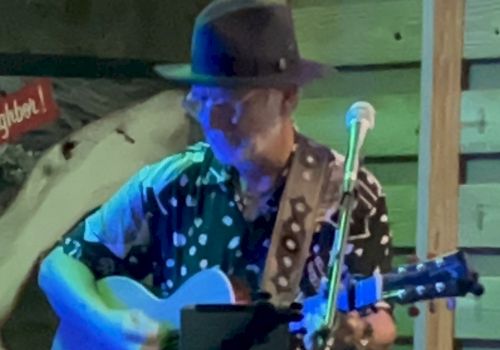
360, 118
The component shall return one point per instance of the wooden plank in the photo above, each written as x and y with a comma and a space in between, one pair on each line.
479, 215
402, 204
484, 76
402, 347
360, 33
305, 3
394, 173
363, 83
481, 346
154, 31
404, 322
396, 127
480, 121
363, 32
481, 171
437, 215
486, 264
482, 24
479, 220
479, 318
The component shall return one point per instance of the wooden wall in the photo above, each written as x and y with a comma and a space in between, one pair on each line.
377, 46
126, 29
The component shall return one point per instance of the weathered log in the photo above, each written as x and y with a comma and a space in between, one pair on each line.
77, 175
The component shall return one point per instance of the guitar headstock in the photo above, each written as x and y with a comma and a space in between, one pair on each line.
442, 277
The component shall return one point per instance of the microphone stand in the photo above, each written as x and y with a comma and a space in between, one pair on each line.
360, 118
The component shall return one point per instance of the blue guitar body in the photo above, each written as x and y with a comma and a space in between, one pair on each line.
209, 286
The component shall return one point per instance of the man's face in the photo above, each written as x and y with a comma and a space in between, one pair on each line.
237, 123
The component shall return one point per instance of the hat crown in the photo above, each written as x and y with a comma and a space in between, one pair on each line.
244, 38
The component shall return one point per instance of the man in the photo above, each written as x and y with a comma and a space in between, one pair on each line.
216, 204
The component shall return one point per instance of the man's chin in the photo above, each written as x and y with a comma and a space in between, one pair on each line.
232, 159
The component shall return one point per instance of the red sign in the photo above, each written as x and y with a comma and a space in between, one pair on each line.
27, 109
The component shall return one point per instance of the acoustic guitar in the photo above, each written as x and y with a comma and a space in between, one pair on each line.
443, 277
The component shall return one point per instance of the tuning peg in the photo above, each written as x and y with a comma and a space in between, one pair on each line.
477, 289
413, 311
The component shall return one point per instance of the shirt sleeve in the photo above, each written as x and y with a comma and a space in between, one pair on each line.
369, 246
115, 238
370, 242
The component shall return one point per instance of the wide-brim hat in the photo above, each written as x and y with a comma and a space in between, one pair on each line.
248, 43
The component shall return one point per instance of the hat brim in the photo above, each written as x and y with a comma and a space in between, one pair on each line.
305, 72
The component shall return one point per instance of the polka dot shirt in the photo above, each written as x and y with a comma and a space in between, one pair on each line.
184, 214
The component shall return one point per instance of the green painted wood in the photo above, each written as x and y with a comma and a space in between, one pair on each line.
480, 121
480, 215
484, 76
397, 122
384, 31
306, 3
129, 29
394, 173
479, 218
402, 204
395, 131
402, 347
485, 264
482, 33
361, 84
399, 260
397, 172
381, 32
481, 171
480, 318
360, 33
404, 323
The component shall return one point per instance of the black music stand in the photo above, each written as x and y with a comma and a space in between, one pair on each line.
260, 326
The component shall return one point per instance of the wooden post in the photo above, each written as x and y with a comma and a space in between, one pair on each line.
438, 180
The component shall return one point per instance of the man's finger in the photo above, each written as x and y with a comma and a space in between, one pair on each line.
320, 265
357, 325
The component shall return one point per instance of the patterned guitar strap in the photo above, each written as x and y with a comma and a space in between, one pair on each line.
306, 191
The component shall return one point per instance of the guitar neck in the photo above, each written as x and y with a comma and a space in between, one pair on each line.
446, 276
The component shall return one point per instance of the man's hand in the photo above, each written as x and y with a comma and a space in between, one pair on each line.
376, 331
133, 329
384, 329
